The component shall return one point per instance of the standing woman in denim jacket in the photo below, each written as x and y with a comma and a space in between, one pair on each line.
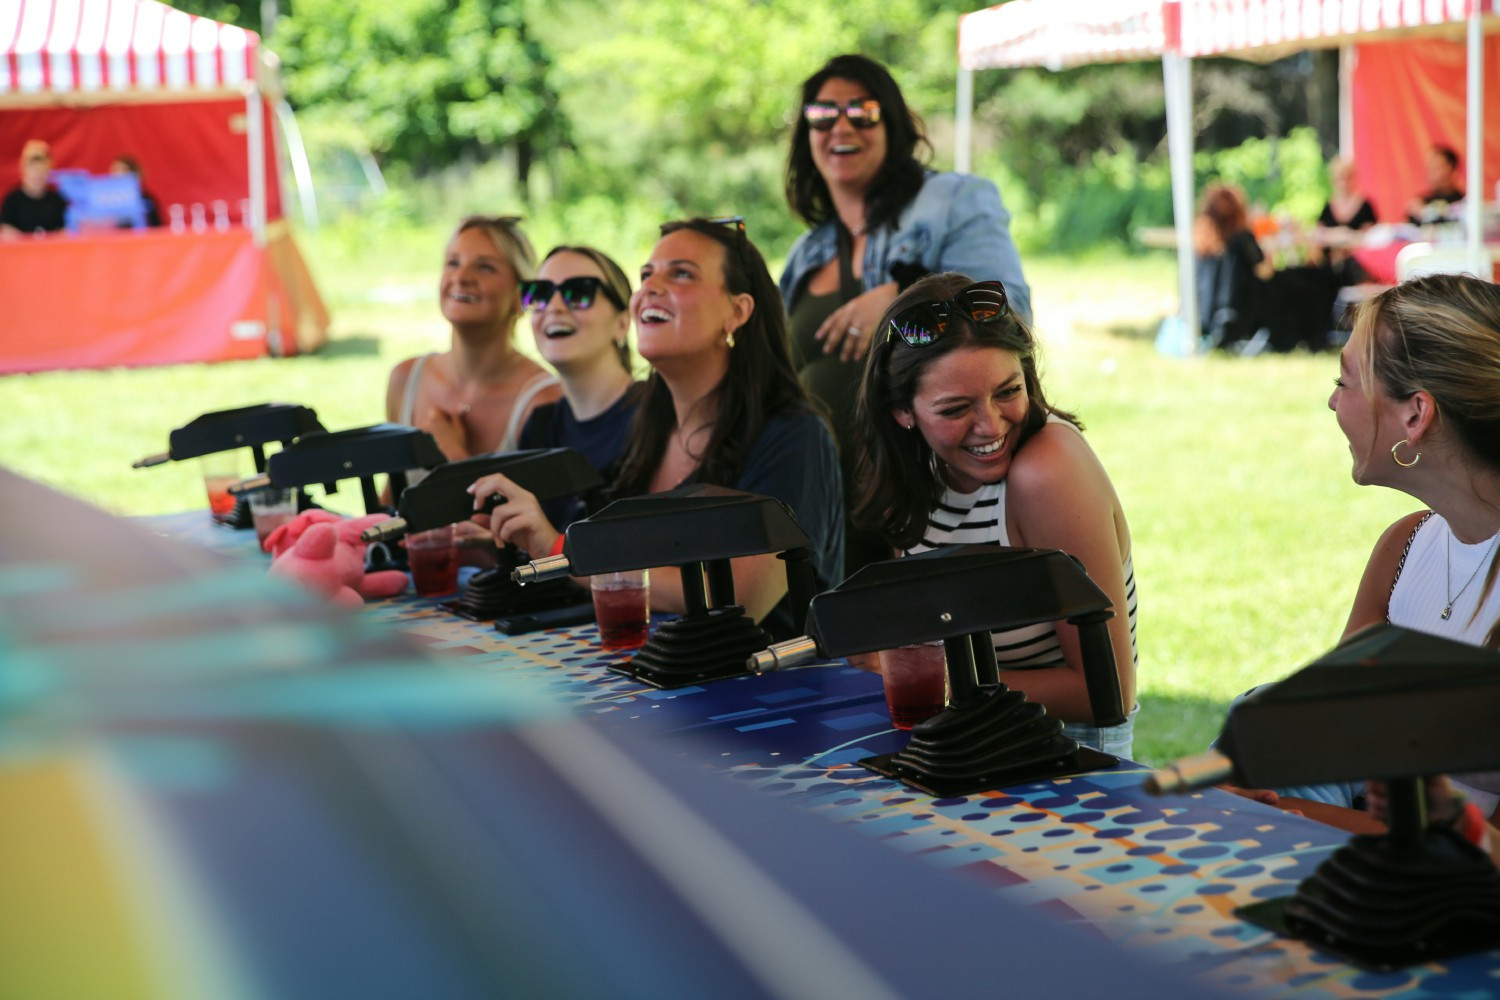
881, 220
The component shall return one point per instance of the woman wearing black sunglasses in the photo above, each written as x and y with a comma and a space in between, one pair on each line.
958, 444
579, 317
723, 405
880, 220
474, 397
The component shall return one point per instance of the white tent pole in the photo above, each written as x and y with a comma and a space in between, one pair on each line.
1177, 78
1348, 58
301, 169
963, 123
255, 135
1479, 260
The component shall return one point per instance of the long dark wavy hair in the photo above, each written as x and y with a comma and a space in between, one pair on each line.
761, 381
898, 480
906, 148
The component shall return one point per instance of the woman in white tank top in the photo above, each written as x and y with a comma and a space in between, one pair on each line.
474, 397
1418, 397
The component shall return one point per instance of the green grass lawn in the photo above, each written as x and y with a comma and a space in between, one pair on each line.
1249, 537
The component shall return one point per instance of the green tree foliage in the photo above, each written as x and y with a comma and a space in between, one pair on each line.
426, 82
687, 107
641, 110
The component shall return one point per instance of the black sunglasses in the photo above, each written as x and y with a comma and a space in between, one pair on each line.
577, 293
923, 323
822, 115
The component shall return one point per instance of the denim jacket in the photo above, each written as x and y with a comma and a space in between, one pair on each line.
956, 223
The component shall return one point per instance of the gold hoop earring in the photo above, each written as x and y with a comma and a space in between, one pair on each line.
1415, 458
729, 337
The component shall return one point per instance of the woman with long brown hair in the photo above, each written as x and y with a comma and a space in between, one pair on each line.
958, 444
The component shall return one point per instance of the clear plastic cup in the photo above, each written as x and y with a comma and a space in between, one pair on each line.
622, 607
916, 682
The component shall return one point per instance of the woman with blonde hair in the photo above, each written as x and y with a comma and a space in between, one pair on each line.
474, 398
1418, 399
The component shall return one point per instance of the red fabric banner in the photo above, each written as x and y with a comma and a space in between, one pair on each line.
1407, 95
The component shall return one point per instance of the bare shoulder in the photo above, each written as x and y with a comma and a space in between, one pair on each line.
1391, 545
1055, 458
395, 387
1372, 598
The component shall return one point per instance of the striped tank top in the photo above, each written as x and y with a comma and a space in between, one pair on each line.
979, 517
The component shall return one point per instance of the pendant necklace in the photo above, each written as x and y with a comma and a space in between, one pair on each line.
1448, 573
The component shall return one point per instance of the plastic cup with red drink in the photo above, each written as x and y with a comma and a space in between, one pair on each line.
433, 558
622, 607
916, 682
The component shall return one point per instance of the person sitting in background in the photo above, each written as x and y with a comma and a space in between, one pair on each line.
1347, 207
580, 317
1348, 211
723, 406
475, 397
958, 445
1443, 192
880, 220
1232, 271
125, 164
34, 205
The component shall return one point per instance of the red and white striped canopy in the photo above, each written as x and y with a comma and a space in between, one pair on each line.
1270, 27
1057, 34
103, 48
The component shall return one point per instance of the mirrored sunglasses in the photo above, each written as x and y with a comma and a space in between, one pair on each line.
577, 293
921, 324
821, 115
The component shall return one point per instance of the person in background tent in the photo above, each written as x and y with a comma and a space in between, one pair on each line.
1436, 203
126, 164
34, 205
1233, 273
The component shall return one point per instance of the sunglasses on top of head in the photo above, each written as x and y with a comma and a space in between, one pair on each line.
919, 325
822, 115
577, 293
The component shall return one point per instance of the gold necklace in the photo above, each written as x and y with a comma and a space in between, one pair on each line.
1448, 572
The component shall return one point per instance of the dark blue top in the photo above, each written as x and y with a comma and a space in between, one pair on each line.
795, 461
600, 440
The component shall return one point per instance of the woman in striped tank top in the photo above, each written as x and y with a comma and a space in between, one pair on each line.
958, 444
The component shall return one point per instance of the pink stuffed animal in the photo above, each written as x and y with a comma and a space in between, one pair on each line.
323, 551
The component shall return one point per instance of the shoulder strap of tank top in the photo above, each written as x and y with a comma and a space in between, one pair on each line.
409, 394
1402, 562
540, 381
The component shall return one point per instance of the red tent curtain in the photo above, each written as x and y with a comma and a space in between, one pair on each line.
191, 152
1407, 95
